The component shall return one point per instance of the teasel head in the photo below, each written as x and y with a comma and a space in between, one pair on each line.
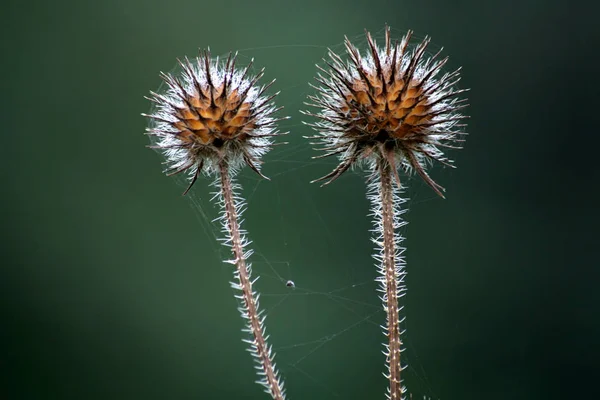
214, 119
392, 103
390, 108
209, 113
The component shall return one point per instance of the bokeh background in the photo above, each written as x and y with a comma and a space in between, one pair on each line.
112, 285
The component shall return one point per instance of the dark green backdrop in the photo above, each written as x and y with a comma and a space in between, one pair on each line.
112, 285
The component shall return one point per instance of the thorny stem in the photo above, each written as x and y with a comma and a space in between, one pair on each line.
391, 279
245, 283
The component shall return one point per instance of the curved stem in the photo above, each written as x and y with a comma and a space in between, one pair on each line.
249, 308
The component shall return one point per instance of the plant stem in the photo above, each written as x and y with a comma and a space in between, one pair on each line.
249, 309
392, 279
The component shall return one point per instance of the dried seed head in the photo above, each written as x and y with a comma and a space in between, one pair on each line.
390, 104
212, 112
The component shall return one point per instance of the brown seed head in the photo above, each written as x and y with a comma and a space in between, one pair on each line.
387, 104
212, 112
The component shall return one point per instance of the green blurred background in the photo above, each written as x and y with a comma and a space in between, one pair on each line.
112, 285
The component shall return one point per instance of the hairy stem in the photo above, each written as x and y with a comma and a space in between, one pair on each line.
249, 308
392, 274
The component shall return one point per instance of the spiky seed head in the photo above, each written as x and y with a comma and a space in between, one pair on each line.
391, 104
209, 112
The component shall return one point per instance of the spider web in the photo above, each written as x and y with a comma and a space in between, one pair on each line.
336, 312
349, 302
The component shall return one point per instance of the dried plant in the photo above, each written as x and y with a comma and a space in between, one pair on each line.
386, 109
214, 119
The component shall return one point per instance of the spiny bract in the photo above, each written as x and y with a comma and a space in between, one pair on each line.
388, 104
210, 113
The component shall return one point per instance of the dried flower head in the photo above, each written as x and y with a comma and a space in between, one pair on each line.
210, 113
388, 108
214, 119
388, 104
